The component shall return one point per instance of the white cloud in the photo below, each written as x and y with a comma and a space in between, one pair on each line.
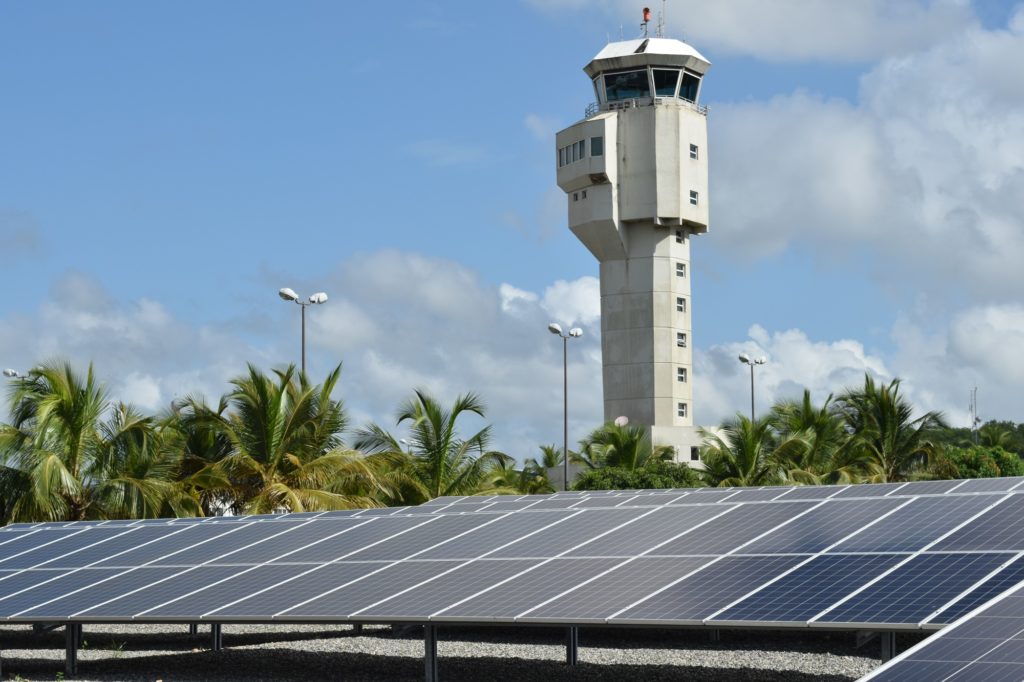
925, 171
543, 128
575, 302
840, 30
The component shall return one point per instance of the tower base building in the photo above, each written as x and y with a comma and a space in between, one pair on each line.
635, 173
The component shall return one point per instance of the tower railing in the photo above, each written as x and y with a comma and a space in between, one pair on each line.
635, 103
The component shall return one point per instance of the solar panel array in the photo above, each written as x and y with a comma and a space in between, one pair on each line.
891, 556
985, 646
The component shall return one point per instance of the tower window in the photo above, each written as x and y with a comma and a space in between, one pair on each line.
584, 194
681, 339
597, 146
694, 152
680, 304
561, 157
691, 84
693, 197
665, 82
581, 148
575, 157
575, 196
680, 269
680, 238
694, 454
681, 374
681, 409
626, 85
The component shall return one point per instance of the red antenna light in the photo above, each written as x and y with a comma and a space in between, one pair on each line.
647, 14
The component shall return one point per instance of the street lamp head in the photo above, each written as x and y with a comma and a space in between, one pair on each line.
744, 358
319, 297
621, 421
555, 328
575, 332
10, 373
761, 360
288, 294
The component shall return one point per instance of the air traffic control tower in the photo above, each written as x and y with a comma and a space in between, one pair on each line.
636, 174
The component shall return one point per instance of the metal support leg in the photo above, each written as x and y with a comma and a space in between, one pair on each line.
714, 635
572, 646
72, 640
888, 645
193, 629
357, 629
430, 652
216, 637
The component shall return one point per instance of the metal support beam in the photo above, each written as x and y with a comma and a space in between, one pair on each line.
216, 637
888, 645
572, 646
72, 640
357, 629
714, 635
430, 653
193, 629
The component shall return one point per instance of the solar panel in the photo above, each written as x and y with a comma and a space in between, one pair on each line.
987, 644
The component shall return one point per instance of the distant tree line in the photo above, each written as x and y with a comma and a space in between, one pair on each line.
277, 442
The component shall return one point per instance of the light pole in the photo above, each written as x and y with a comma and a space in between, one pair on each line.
14, 374
316, 299
575, 333
747, 360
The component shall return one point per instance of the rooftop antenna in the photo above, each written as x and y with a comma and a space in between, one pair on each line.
975, 419
660, 32
647, 20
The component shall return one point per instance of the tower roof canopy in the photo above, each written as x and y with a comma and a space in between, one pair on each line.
647, 51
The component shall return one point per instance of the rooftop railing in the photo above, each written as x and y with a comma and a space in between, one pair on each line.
635, 103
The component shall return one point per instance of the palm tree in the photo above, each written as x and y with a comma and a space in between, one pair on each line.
70, 455
883, 429
626, 447
437, 460
285, 450
746, 453
824, 456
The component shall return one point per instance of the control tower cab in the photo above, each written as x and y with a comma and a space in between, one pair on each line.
635, 171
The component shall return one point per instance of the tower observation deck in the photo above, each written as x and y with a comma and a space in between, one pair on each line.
635, 172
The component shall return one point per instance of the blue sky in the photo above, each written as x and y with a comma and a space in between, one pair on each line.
165, 167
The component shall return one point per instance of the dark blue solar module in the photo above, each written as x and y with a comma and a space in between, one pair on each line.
813, 533
991, 531
729, 531
916, 525
1006, 579
866, 490
100, 585
987, 646
709, 590
506, 601
662, 526
811, 588
916, 589
618, 589
987, 485
585, 526
159, 590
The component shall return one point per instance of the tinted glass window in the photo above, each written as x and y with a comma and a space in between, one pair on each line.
626, 85
597, 146
689, 87
665, 82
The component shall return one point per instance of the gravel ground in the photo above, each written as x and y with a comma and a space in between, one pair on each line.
291, 652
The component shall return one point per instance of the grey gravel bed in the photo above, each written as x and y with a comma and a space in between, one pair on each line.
292, 652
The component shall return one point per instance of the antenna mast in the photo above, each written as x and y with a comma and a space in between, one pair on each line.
660, 32
975, 419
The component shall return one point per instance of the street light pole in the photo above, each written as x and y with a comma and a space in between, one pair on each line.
747, 360
575, 333
316, 299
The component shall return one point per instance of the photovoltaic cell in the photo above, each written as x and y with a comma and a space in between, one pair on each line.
622, 587
986, 485
374, 531
573, 531
872, 490
732, 530
913, 527
103, 584
661, 526
298, 587
928, 487
283, 546
990, 532
814, 532
759, 495
710, 589
158, 591
915, 590
810, 589
1006, 579
240, 584
58, 545
813, 492
433, 533
987, 647
172, 546
371, 589
130, 539
446, 590
506, 601
501, 532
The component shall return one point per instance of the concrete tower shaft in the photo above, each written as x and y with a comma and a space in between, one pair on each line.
636, 175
